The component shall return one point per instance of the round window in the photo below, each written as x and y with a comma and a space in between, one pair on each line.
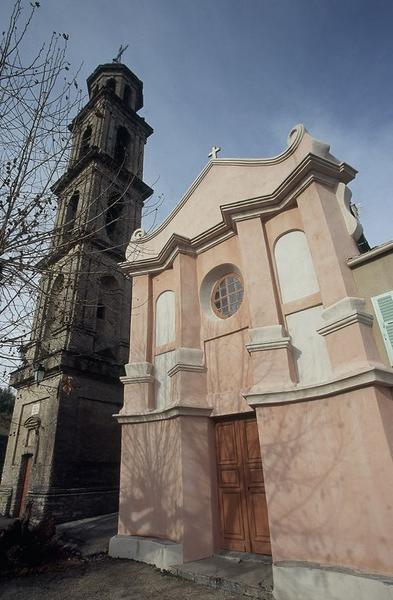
227, 295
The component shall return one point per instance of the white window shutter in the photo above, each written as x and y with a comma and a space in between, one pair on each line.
383, 306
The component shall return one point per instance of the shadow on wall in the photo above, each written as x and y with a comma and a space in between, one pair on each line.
320, 466
162, 463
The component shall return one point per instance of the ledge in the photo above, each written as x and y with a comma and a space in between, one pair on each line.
373, 376
171, 412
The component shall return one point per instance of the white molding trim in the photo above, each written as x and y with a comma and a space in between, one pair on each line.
270, 337
351, 381
187, 359
171, 412
343, 313
138, 373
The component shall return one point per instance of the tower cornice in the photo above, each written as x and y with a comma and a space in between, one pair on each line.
115, 68
94, 154
131, 114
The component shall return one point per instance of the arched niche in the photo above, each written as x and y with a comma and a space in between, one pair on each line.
295, 268
165, 329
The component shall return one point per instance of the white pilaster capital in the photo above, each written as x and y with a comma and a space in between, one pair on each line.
267, 338
187, 359
346, 311
138, 373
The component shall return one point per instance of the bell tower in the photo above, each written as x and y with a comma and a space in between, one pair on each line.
64, 448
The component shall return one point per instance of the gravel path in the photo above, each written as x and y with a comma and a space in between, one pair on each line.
106, 578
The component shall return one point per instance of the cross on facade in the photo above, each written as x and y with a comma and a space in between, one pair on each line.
214, 151
121, 51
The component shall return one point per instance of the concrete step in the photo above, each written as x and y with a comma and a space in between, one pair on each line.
243, 574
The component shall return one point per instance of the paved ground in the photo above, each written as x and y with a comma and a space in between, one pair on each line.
107, 579
236, 572
90, 536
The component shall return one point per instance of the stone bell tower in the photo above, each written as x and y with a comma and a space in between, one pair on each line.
64, 448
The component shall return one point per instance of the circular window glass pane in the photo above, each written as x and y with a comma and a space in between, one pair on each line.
227, 295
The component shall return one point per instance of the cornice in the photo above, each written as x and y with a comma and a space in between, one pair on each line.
311, 169
115, 99
374, 376
370, 255
172, 412
94, 154
363, 318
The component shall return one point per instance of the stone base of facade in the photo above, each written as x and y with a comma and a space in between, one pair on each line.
154, 551
64, 504
308, 582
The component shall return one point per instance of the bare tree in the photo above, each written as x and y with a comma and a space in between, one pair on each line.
37, 97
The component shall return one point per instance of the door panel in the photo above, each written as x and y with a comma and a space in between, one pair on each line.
241, 491
232, 500
255, 490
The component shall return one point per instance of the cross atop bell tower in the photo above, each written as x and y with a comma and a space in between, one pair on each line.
80, 334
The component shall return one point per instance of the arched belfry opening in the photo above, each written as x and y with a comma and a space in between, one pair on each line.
114, 212
85, 142
71, 213
123, 139
111, 84
127, 94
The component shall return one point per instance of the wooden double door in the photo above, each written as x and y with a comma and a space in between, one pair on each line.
241, 491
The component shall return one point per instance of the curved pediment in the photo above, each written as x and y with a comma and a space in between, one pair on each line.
228, 187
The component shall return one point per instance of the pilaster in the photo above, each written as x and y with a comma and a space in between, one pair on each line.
269, 343
139, 379
347, 327
188, 373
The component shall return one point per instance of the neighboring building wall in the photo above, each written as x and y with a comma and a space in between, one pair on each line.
373, 273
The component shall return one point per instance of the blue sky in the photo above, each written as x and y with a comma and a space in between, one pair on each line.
241, 73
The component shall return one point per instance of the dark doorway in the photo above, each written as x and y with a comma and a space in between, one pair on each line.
25, 476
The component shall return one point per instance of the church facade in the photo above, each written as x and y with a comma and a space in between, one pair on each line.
63, 452
258, 407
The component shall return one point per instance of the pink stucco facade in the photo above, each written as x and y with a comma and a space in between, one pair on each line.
298, 354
